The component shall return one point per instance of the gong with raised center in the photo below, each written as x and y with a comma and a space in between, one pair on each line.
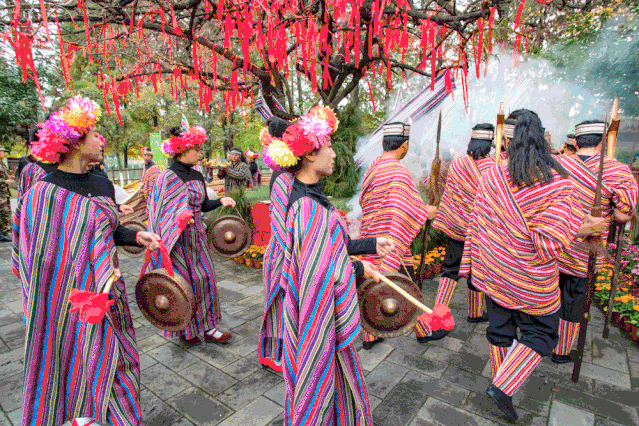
383, 311
229, 236
137, 226
167, 302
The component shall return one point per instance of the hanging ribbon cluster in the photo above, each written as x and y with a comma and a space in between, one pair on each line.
257, 40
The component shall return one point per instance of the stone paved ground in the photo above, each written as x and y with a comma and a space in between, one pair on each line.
441, 383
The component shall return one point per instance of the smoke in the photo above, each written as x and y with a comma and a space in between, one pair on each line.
576, 90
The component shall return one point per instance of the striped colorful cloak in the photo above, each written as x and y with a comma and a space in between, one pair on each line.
393, 208
189, 250
619, 191
270, 345
31, 174
324, 381
62, 241
148, 179
456, 205
515, 237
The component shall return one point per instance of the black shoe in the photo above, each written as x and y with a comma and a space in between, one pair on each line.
503, 401
369, 345
561, 359
437, 334
482, 318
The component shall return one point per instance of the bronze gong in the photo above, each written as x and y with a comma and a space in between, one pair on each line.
383, 311
229, 236
137, 226
167, 302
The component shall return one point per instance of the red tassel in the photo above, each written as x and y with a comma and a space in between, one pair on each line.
196, 67
86, 27
176, 27
520, 9
370, 90
480, 44
43, 12
448, 81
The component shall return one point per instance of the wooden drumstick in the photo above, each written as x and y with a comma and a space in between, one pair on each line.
403, 292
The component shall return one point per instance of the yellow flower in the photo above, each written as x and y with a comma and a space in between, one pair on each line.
624, 289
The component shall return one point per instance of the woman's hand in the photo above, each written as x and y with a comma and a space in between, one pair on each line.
228, 202
125, 209
370, 271
592, 226
384, 247
431, 211
148, 239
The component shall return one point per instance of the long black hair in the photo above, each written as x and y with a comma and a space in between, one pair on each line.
529, 158
479, 148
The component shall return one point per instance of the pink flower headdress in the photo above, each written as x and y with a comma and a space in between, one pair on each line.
310, 132
189, 138
64, 128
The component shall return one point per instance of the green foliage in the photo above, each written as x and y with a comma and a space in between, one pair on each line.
435, 238
242, 206
343, 182
624, 157
19, 103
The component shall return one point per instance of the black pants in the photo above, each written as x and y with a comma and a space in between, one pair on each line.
452, 262
539, 333
573, 297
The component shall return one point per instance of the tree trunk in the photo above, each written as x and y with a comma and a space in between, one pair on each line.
125, 151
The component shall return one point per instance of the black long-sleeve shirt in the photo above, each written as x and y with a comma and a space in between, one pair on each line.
90, 185
187, 173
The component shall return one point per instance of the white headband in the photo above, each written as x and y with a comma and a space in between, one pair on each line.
482, 134
590, 129
235, 151
509, 130
398, 129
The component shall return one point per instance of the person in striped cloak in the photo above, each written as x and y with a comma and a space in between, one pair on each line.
619, 202
271, 343
392, 206
181, 191
320, 321
526, 213
454, 213
65, 233
150, 172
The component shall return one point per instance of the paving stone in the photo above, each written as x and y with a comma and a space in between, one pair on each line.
603, 421
449, 343
162, 381
277, 393
156, 412
477, 344
11, 363
8, 317
617, 394
200, 408
383, 379
487, 370
4, 420
230, 295
147, 361
469, 362
244, 367
251, 312
258, 413
216, 355
566, 415
15, 417
409, 344
400, 405
373, 402
244, 392
147, 331
605, 375
173, 356
245, 346
252, 290
618, 412
13, 334
16, 307
437, 388
482, 405
229, 322
466, 379
633, 358
250, 328
11, 391
419, 363
435, 412
208, 378
230, 285
609, 356
149, 343
369, 359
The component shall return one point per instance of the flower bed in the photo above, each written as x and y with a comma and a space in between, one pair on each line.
252, 258
433, 261
625, 308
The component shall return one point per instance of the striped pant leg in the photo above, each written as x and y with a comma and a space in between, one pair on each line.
422, 329
367, 336
497, 355
568, 331
475, 303
516, 368
445, 290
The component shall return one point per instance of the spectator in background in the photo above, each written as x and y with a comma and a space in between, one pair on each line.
237, 174
570, 146
5, 199
256, 176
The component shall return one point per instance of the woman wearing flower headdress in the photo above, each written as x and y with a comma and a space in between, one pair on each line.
65, 233
180, 191
320, 313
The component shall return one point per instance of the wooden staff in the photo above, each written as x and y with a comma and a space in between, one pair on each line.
435, 198
613, 281
595, 211
612, 143
499, 132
